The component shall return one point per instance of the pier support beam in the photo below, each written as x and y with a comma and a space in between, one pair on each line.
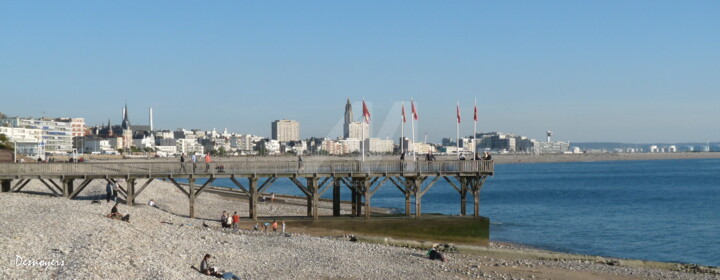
463, 196
253, 197
353, 199
68, 187
475, 187
5, 185
313, 197
336, 198
408, 195
191, 196
130, 192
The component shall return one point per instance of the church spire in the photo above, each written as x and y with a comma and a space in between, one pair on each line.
125, 121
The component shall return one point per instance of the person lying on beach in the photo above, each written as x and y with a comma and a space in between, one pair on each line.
152, 203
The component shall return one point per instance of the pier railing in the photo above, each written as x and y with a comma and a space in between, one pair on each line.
243, 168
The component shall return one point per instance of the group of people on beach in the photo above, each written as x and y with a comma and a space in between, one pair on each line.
111, 191
273, 225
227, 221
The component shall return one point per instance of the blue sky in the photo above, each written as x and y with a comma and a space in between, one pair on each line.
625, 71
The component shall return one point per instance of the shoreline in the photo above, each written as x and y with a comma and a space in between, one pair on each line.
93, 246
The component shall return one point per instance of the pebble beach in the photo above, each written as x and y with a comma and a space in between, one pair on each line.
47, 237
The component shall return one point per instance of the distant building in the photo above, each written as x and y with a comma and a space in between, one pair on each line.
504, 142
57, 134
353, 129
27, 141
380, 146
285, 130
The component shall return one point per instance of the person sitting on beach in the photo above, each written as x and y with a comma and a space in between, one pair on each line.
256, 227
114, 214
206, 269
433, 254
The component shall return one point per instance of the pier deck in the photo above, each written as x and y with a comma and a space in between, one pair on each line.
313, 178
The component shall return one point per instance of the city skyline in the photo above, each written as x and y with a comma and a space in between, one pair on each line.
590, 71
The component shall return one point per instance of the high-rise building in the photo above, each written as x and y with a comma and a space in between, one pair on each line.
285, 130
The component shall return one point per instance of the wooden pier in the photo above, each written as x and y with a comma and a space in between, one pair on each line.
314, 178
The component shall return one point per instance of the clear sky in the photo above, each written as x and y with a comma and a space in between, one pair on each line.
623, 71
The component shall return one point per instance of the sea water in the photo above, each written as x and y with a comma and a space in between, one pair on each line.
662, 210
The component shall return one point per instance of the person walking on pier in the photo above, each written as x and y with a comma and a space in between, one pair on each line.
194, 161
300, 163
208, 160
182, 163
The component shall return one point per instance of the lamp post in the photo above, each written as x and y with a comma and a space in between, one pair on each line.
14, 150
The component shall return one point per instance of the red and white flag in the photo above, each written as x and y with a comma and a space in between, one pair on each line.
458, 112
414, 112
403, 113
366, 113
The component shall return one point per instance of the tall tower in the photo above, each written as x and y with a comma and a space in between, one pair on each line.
549, 135
348, 119
151, 120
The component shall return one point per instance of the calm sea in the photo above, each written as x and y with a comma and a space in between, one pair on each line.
663, 210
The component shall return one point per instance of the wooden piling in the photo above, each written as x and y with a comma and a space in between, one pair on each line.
253, 196
191, 196
68, 187
336, 198
130, 191
5, 185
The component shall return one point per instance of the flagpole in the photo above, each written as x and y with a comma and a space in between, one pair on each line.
402, 128
412, 125
362, 133
475, 130
457, 141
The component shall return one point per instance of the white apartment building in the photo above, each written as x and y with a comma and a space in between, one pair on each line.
189, 146
355, 130
353, 145
97, 145
57, 134
28, 141
285, 130
377, 145
334, 147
